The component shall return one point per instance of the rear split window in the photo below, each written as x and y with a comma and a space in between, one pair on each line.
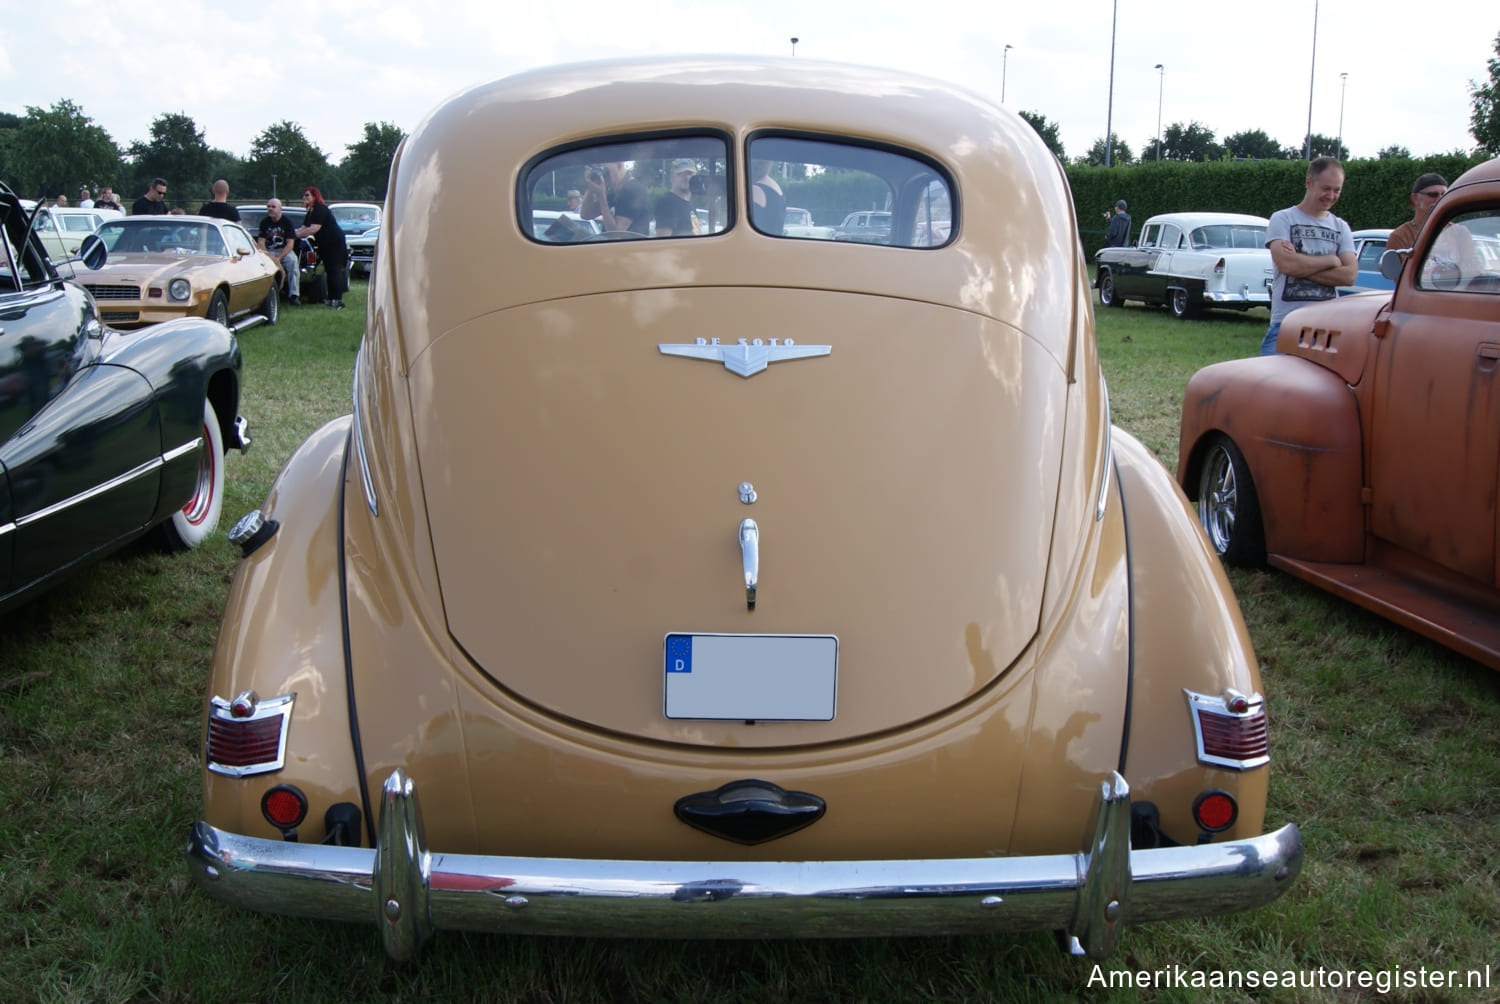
663, 187
808, 188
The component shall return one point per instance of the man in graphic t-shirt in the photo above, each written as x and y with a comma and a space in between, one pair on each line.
1312, 250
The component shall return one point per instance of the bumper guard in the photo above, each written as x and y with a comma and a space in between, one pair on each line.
410, 892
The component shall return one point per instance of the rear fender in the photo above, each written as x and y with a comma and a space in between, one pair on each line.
280, 635
1186, 633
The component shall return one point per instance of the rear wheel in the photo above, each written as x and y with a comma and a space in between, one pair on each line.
218, 308
1228, 507
1108, 295
195, 521
270, 307
1184, 305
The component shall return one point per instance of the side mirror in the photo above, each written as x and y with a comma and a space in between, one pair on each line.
93, 252
1391, 262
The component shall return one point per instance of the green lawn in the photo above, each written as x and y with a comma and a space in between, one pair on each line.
1384, 751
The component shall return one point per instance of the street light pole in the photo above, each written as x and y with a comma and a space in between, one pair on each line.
1109, 115
1004, 58
1343, 85
794, 45
1312, 75
1161, 76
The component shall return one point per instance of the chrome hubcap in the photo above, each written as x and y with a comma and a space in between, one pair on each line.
1218, 499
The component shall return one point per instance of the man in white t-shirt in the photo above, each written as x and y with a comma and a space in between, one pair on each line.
1312, 249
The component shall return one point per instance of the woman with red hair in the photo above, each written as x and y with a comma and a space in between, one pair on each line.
326, 233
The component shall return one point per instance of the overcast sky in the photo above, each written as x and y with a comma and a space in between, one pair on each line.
333, 65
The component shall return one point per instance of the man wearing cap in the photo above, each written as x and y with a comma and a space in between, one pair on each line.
1118, 234
674, 209
1425, 192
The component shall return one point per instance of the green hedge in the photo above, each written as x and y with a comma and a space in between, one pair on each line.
1375, 191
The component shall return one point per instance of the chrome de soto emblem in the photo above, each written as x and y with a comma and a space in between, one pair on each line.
748, 356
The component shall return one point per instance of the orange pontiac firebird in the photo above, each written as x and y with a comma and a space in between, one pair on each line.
706, 580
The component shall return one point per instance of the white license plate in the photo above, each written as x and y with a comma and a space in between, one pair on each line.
751, 677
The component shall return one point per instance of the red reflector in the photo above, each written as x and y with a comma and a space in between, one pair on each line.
284, 806
1215, 811
1234, 737
244, 743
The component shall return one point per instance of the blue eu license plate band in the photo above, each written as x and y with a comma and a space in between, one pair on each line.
751, 677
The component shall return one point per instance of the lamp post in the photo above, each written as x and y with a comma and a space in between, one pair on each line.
1312, 75
1004, 58
794, 44
1161, 76
1343, 85
1109, 115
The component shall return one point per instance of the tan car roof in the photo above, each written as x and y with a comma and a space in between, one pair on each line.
458, 172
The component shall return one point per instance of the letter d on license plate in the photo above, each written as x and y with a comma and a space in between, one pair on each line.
762, 677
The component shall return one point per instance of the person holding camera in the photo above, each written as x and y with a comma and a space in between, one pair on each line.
617, 199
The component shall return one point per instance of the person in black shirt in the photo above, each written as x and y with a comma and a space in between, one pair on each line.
326, 233
107, 200
1118, 233
219, 207
674, 209
277, 237
617, 199
154, 202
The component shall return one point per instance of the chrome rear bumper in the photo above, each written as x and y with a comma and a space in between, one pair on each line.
409, 892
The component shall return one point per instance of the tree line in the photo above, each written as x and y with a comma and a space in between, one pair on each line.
1194, 141
55, 151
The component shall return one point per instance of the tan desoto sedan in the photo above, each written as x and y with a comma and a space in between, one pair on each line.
706, 581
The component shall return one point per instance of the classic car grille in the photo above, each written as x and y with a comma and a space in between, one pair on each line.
114, 291
118, 316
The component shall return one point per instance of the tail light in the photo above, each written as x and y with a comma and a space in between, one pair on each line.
1215, 811
247, 735
284, 807
1230, 729
1219, 268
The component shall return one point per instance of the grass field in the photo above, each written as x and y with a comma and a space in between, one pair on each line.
1386, 750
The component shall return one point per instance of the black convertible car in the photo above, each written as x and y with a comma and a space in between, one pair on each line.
104, 435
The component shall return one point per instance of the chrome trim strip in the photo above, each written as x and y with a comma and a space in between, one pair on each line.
6, 528
94, 492
359, 442
1107, 462
192, 446
410, 890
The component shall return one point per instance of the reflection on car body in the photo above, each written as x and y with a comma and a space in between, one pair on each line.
1363, 456
731, 583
